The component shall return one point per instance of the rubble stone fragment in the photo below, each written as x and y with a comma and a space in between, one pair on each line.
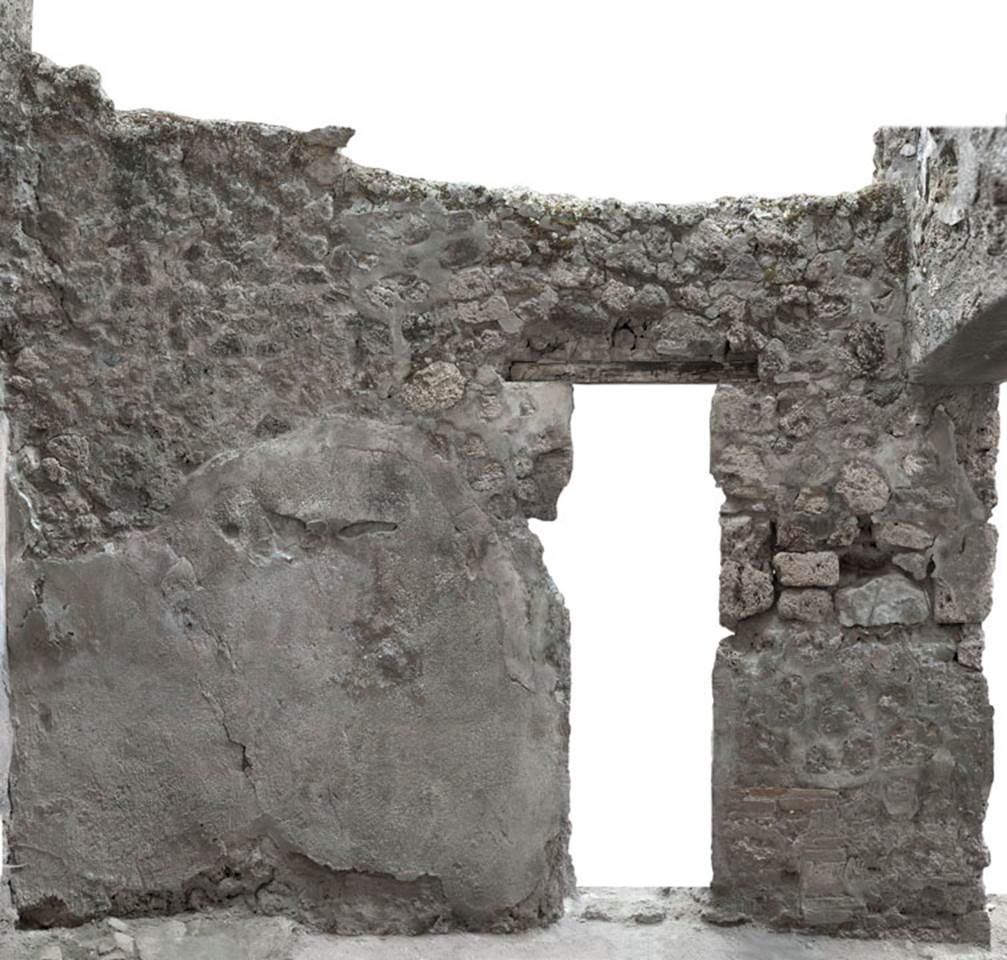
807, 569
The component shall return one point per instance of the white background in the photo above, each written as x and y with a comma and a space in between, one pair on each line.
642, 101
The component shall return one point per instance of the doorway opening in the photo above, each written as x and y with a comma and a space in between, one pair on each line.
635, 553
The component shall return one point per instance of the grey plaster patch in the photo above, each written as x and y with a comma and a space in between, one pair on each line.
360, 661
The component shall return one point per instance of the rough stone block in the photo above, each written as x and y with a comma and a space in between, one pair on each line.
963, 574
745, 537
917, 565
745, 591
807, 569
863, 488
808, 606
735, 408
971, 646
897, 534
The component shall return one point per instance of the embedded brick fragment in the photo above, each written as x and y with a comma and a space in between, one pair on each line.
794, 799
810, 606
882, 600
744, 591
963, 574
807, 569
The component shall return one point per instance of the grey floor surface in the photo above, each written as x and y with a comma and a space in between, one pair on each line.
603, 924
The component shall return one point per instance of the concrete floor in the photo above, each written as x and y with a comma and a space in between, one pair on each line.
603, 924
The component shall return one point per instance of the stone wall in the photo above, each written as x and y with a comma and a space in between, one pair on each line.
15, 21
853, 733
278, 633
955, 184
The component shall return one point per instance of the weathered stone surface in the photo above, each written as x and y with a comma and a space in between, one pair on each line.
963, 574
810, 606
436, 387
807, 569
971, 646
745, 591
324, 672
917, 565
816, 775
955, 185
745, 537
738, 409
863, 488
896, 534
804, 706
7, 912
15, 22
883, 600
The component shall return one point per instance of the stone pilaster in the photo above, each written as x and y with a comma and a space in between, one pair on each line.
853, 733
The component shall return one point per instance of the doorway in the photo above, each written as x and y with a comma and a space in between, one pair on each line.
635, 553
